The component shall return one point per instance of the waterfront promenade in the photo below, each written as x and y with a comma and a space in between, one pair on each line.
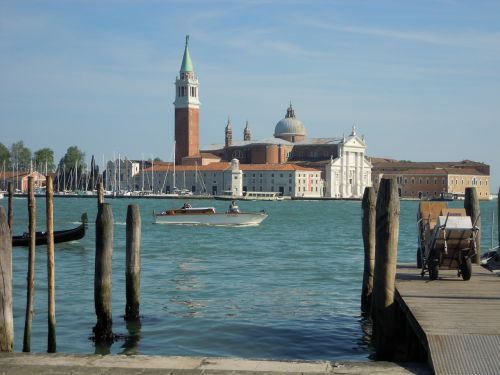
21, 363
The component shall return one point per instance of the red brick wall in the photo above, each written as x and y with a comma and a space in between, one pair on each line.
187, 133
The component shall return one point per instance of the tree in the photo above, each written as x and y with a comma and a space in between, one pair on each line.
4, 155
73, 157
71, 161
44, 157
20, 156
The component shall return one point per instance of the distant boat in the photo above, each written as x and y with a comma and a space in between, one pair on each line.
250, 196
444, 197
261, 196
59, 235
208, 216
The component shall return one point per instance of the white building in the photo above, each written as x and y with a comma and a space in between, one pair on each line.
349, 173
216, 178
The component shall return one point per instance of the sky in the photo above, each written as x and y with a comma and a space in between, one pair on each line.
419, 79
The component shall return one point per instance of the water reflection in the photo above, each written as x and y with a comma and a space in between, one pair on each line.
132, 339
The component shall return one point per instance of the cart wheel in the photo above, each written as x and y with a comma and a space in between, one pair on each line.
419, 257
466, 268
433, 269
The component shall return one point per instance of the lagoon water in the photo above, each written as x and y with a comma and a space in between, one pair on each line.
287, 289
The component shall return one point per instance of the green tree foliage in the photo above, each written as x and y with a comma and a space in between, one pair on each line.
44, 156
20, 156
73, 157
4, 155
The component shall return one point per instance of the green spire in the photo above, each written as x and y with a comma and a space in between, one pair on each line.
187, 64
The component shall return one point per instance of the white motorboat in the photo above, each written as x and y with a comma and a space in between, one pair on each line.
208, 216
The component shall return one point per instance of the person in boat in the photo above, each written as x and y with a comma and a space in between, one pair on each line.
233, 208
186, 205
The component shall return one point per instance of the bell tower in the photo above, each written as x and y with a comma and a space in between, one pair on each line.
187, 110
228, 134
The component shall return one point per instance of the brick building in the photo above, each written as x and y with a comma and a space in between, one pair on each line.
422, 180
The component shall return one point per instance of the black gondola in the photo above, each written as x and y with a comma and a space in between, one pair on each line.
59, 235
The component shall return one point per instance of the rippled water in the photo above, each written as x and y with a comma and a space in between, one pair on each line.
288, 289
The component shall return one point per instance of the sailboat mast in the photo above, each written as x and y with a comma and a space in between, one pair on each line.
152, 175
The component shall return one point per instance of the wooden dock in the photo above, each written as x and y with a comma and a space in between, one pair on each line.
456, 321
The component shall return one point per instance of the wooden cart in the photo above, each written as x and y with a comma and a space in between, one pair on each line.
446, 239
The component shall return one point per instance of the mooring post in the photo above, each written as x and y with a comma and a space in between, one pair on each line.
133, 263
31, 265
11, 206
386, 251
6, 317
472, 208
100, 194
103, 271
368, 206
51, 278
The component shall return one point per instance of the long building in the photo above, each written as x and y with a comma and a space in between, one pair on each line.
217, 178
423, 180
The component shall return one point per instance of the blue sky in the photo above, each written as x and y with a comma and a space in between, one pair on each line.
420, 79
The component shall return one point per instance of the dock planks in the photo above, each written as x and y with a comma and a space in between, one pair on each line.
457, 321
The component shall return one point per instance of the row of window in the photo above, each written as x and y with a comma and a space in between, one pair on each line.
474, 181
182, 91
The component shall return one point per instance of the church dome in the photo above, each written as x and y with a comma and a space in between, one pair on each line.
290, 128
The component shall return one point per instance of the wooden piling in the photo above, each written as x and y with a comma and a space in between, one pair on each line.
11, 206
100, 194
387, 233
472, 208
6, 317
103, 272
498, 220
31, 265
368, 207
51, 281
133, 262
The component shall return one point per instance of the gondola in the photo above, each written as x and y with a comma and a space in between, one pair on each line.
59, 235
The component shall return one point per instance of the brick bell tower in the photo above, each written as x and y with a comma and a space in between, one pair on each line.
187, 110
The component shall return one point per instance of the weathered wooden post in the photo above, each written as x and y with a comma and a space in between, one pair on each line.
6, 317
498, 220
31, 265
387, 233
11, 206
100, 194
133, 262
51, 278
103, 271
472, 208
368, 206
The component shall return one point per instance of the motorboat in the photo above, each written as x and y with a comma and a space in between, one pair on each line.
208, 216
59, 235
